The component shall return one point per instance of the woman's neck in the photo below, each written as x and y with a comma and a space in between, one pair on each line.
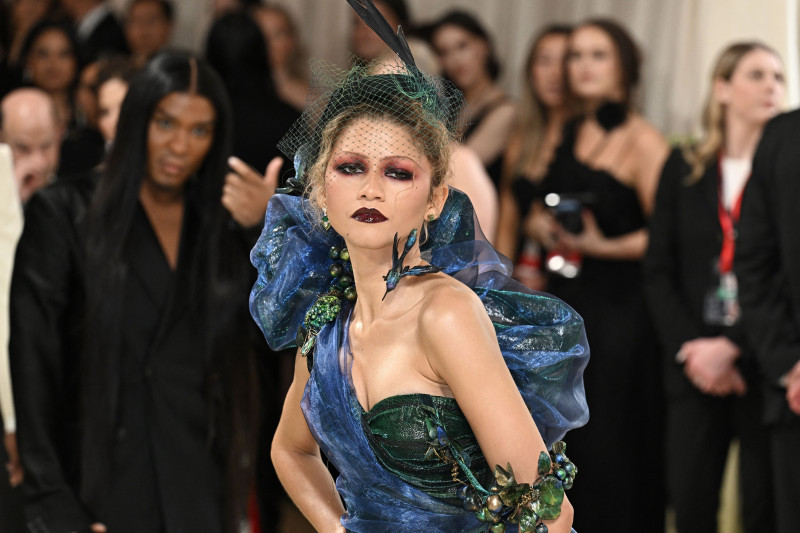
369, 268
591, 105
477, 94
556, 116
158, 197
63, 107
741, 137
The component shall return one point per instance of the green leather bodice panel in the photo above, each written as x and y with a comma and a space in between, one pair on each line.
396, 430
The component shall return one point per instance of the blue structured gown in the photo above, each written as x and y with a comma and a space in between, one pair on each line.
385, 480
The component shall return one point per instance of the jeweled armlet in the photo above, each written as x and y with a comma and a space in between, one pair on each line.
506, 501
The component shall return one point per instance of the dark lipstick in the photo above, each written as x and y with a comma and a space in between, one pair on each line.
369, 215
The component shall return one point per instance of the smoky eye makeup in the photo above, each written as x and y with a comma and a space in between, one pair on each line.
349, 165
398, 172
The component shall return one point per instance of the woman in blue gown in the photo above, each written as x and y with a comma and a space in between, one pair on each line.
418, 384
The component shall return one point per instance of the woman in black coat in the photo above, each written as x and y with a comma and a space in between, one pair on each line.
710, 375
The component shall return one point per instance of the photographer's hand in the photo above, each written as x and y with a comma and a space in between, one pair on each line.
541, 226
590, 242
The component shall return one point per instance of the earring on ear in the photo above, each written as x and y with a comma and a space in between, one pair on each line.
431, 217
325, 222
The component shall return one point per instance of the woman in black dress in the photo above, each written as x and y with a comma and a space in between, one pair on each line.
601, 188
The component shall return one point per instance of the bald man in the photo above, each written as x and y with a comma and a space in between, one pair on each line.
29, 126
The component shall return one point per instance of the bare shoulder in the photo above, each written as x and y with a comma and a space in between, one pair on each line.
467, 170
464, 155
505, 112
648, 138
449, 305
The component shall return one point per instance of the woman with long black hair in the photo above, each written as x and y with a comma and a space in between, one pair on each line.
130, 344
52, 63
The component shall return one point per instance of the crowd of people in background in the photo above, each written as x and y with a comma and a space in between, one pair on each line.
144, 173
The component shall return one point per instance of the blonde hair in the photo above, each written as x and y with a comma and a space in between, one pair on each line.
713, 118
533, 112
431, 137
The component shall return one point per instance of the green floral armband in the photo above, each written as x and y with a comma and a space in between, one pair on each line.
506, 501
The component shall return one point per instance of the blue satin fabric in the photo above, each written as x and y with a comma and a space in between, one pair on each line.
542, 340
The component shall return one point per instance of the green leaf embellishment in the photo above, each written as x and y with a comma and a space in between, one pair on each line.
504, 477
545, 464
528, 521
551, 495
514, 494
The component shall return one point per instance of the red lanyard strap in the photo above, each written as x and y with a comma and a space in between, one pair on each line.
727, 221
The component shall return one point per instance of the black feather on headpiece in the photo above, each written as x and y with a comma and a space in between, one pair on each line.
373, 18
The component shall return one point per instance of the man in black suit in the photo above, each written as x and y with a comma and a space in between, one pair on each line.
767, 265
98, 30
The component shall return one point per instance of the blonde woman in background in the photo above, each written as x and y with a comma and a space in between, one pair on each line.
710, 374
542, 115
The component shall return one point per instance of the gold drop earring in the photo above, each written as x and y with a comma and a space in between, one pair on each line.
325, 222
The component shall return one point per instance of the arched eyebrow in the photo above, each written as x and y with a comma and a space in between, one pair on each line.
165, 114
385, 158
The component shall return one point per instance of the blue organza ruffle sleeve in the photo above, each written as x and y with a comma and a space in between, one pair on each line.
292, 260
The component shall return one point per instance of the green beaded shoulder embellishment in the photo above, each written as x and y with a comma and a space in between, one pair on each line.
328, 304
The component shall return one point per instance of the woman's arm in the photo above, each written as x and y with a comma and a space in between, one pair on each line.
490, 138
462, 350
299, 465
593, 243
651, 154
43, 295
507, 237
671, 313
470, 177
507, 224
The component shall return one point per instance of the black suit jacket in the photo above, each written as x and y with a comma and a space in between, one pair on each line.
679, 267
767, 260
44, 357
165, 470
106, 38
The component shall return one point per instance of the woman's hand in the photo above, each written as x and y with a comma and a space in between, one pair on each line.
709, 364
541, 226
13, 466
590, 242
793, 388
246, 193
